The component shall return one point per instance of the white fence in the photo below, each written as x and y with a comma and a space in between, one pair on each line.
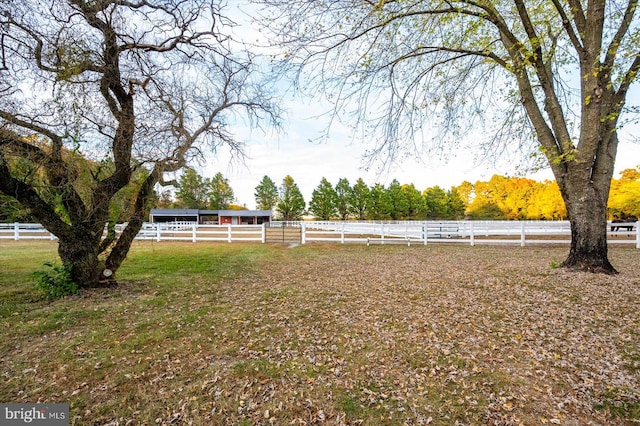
174, 231
410, 232
466, 232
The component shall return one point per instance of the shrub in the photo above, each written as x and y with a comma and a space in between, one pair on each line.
56, 281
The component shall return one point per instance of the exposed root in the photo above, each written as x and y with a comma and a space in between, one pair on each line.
597, 267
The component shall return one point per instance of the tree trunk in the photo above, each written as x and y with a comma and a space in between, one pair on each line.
586, 209
140, 213
81, 253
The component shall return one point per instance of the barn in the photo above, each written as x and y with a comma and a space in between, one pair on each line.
212, 217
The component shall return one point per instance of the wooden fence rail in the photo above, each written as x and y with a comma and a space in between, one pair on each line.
410, 232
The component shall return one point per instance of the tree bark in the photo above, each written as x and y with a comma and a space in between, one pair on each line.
123, 244
588, 219
585, 190
81, 253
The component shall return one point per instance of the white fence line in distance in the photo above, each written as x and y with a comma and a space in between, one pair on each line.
387, 232
466, 232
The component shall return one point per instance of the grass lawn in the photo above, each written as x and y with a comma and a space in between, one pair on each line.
249, 334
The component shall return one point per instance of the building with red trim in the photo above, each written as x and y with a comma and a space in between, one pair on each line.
212, 217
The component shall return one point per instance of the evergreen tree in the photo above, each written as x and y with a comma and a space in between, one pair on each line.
266, 194
456, 204
343, 197
360, 200
192, 191
415, 201
323, 201
399, 202
437, 203
291, 204
380, 207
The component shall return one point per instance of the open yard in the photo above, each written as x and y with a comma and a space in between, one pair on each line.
250, 334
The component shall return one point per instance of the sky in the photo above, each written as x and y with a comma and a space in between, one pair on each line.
296, 152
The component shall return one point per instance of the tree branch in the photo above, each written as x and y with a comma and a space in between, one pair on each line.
566, 24
616, 41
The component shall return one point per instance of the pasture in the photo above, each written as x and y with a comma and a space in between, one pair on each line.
254, 334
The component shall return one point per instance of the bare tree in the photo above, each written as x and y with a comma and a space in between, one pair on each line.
549, 75
131, 85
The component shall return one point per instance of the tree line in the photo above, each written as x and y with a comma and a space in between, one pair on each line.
499, 198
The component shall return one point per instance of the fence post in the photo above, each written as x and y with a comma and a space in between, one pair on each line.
264, 232
638, 234
522, 238
229, 233
342, 234
425, 231
303, 233
471, 234
193, 234
382, 233
158, 237
16, 231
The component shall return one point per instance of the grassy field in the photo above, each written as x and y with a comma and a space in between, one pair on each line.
248, 334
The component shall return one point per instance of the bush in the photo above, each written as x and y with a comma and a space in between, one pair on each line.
56, 281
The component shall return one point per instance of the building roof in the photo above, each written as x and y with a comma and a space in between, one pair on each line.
174, 212
196, 212
244, 213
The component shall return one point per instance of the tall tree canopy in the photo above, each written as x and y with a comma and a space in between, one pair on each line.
219, 192
323, 201
291, 205
128, 84
555, 73
266, 194
191, 190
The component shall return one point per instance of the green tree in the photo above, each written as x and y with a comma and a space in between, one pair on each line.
219, 192
380, 204
323, 201
438, 203
266, 194
558, 71
417, 207
360, 200
291, 204
456, 203
343, 198
191, 190
399, 202
105, 91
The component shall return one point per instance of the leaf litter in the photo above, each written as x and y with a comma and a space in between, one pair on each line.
339, 335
